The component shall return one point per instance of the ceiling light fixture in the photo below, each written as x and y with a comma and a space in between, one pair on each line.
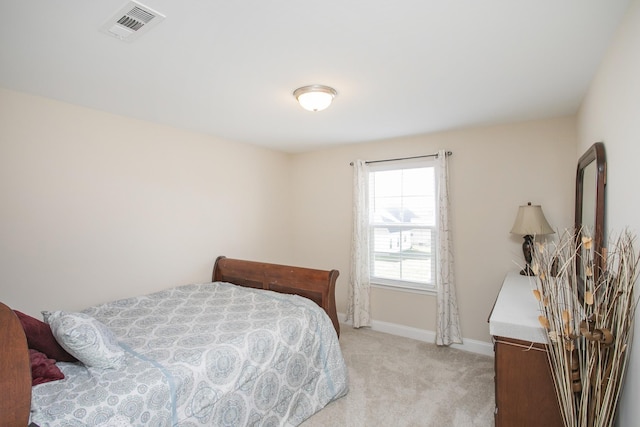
315, 97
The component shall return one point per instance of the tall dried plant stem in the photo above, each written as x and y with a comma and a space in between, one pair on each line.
594, 333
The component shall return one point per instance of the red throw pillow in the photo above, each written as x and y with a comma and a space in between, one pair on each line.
40, 337
43, 369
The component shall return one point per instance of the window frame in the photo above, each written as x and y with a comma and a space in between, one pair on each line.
398, 284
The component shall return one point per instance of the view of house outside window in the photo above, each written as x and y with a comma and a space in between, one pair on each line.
402, 218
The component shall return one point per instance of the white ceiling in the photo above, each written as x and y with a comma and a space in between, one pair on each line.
229, 67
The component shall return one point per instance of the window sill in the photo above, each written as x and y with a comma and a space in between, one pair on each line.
431, 291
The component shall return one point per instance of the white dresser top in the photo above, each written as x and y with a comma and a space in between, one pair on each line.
515, 314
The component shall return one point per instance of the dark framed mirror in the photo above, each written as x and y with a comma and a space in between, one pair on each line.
591, 178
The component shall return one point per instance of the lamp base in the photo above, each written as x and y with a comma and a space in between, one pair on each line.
527, 250
527, 271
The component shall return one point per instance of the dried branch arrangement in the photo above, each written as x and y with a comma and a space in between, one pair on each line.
589, 338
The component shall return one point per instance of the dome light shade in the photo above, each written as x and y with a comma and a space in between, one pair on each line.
315, 97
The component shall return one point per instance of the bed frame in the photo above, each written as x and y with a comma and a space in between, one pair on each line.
15, 371
15, 367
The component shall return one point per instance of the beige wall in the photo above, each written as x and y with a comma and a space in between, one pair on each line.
97, 206
493, 170
611, 113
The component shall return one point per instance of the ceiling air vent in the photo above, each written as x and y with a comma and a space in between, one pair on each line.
130, 22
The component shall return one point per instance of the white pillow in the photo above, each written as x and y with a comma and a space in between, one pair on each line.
90, 341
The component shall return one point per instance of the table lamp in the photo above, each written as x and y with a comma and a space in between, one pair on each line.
530, 222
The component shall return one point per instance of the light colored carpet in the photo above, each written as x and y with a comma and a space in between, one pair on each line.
400, 382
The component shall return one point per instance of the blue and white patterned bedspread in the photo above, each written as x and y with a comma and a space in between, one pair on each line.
210, 354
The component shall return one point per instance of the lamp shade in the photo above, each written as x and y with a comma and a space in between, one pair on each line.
315, 97
530, 221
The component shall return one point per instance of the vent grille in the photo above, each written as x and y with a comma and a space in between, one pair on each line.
141, 15
131, 21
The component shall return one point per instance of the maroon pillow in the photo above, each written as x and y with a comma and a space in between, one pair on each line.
43, 369
40, 337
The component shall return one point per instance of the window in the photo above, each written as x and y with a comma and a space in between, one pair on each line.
402, 224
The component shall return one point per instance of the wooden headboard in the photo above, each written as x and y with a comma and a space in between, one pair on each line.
15, 371
317, 285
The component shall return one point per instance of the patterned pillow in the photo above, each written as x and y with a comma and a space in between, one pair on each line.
90, 341
39, 337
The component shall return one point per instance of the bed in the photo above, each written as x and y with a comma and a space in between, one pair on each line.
218, 353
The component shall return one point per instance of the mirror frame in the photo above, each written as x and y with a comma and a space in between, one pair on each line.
596, 154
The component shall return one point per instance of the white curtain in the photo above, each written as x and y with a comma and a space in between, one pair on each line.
447, 323
358, 307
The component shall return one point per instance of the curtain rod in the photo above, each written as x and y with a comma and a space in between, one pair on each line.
448, 153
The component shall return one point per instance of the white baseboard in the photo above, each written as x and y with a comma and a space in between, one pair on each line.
424, 335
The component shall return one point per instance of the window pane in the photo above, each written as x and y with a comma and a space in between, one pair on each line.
403, 196
418, 182
403, 218
416, 270
388, 183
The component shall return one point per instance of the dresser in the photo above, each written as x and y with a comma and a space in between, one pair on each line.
525, 395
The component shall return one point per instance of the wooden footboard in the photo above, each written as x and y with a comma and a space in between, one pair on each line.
317, 285
15, 371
